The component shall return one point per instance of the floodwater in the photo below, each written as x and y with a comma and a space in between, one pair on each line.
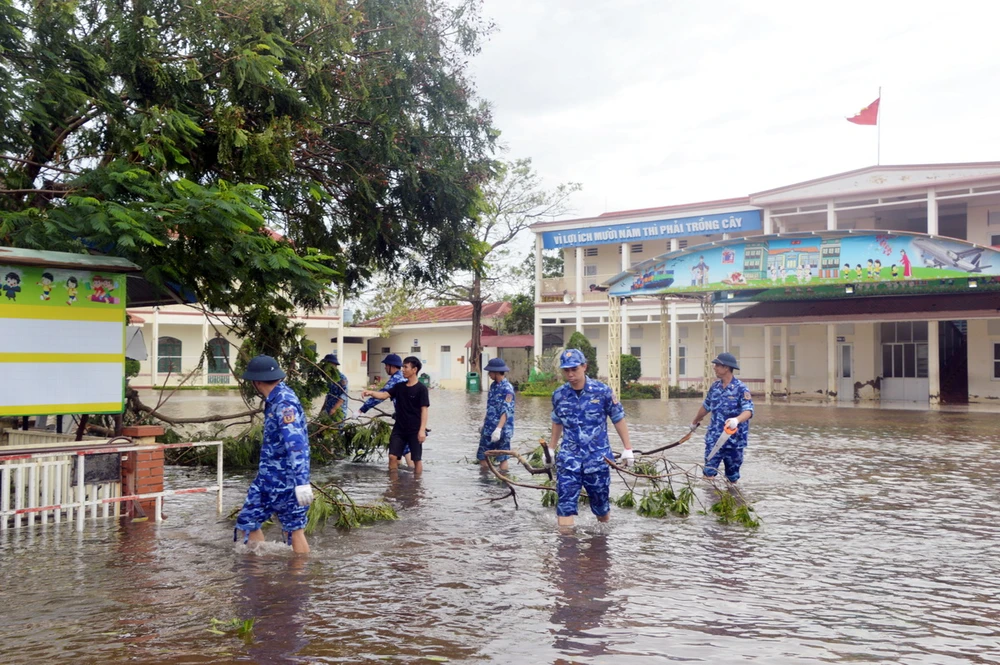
878, 545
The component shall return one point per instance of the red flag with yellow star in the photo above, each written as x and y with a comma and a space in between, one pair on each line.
866, 116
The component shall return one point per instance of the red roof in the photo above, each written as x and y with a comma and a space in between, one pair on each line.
453, 313
505, 341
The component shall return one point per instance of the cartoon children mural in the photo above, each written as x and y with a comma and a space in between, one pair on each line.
895, 271
845, 272
870, 268
46, 283
11, 285
72, 286
877, 270
102, 287
858, 271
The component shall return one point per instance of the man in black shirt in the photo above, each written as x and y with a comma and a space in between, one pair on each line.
412, 399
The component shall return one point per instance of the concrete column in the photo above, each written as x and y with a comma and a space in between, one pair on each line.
768, 361
664, 350
626, 264
932, 213
831, 217
675, 374
831, 362
538, 298
538, 269
154, 351
933, 364
579, 274
768, 226
785, 375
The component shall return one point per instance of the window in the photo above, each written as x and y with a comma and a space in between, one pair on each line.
385, 350
590, 251
218, 359
446, 349
590, 270
904, 350
637, 248
635, 351
776, 360
168, 351
995, 241
682, 361
414, 349
682, 244
996, 360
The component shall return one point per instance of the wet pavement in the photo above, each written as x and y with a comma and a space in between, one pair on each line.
878, 545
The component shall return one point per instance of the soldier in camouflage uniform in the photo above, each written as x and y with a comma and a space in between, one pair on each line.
282, 482
335, 404
498, 427
580, 409
729, 402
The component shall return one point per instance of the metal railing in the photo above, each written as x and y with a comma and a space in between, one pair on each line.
39, 484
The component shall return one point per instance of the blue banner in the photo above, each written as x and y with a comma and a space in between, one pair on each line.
664, 229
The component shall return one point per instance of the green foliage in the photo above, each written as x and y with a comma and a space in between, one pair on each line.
178, 135
640, 391
631, 369
646, 468
626, 500
729, 510
578, 341
661, 502
549, 497
131, 368
539, 388
242, 628
333, 505
521, 318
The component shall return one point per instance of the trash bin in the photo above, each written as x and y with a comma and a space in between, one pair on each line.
424, 379
472, 382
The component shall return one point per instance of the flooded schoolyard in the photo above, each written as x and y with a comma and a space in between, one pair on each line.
878, 545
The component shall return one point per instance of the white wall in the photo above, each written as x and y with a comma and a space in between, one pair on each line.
983, 334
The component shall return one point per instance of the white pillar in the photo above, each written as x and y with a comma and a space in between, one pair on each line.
664, 350
538, 297
768, 225
785, 376
831, 217
579, 274
768, 361
831, 362
538, 269
932, 213
675, 380
626, 264
933, 364
154, 351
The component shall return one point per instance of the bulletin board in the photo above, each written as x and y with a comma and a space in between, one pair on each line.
62, 340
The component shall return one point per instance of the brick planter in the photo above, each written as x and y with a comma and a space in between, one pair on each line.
142, 470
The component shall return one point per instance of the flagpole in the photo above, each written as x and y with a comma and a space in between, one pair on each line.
878, 128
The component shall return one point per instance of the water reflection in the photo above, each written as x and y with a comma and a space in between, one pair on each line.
581, 574
273, 592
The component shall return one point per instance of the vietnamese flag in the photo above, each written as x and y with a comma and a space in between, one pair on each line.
866, 116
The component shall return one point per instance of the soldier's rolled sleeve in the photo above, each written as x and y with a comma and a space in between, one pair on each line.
614, 408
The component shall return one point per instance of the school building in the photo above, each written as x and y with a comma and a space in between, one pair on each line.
875, 284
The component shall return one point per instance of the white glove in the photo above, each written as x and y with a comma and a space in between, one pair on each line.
732, 423
496, 435
627, 457
304, 494
695, 426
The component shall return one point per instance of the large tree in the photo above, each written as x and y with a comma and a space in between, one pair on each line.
513, 200
180, 134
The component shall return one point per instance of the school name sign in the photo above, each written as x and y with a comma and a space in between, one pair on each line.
664, 229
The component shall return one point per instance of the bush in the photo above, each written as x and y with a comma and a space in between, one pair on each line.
631, 369
578, 341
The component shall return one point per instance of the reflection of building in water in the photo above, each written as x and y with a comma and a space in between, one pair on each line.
404, 491
582, 569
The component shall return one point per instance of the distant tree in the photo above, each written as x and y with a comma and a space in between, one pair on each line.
524, 273
578, 341
521, 319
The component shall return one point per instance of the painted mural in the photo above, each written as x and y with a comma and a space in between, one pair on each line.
768, 263
60, 287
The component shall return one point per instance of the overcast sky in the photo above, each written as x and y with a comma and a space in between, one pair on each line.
662, 102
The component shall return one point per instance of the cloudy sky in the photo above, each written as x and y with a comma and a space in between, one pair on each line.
662, 102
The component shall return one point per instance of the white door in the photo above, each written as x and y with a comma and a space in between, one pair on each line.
845, 372
445, 363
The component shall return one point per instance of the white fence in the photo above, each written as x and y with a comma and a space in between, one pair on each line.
38, 485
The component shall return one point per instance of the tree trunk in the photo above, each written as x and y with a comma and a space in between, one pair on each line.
476, 348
